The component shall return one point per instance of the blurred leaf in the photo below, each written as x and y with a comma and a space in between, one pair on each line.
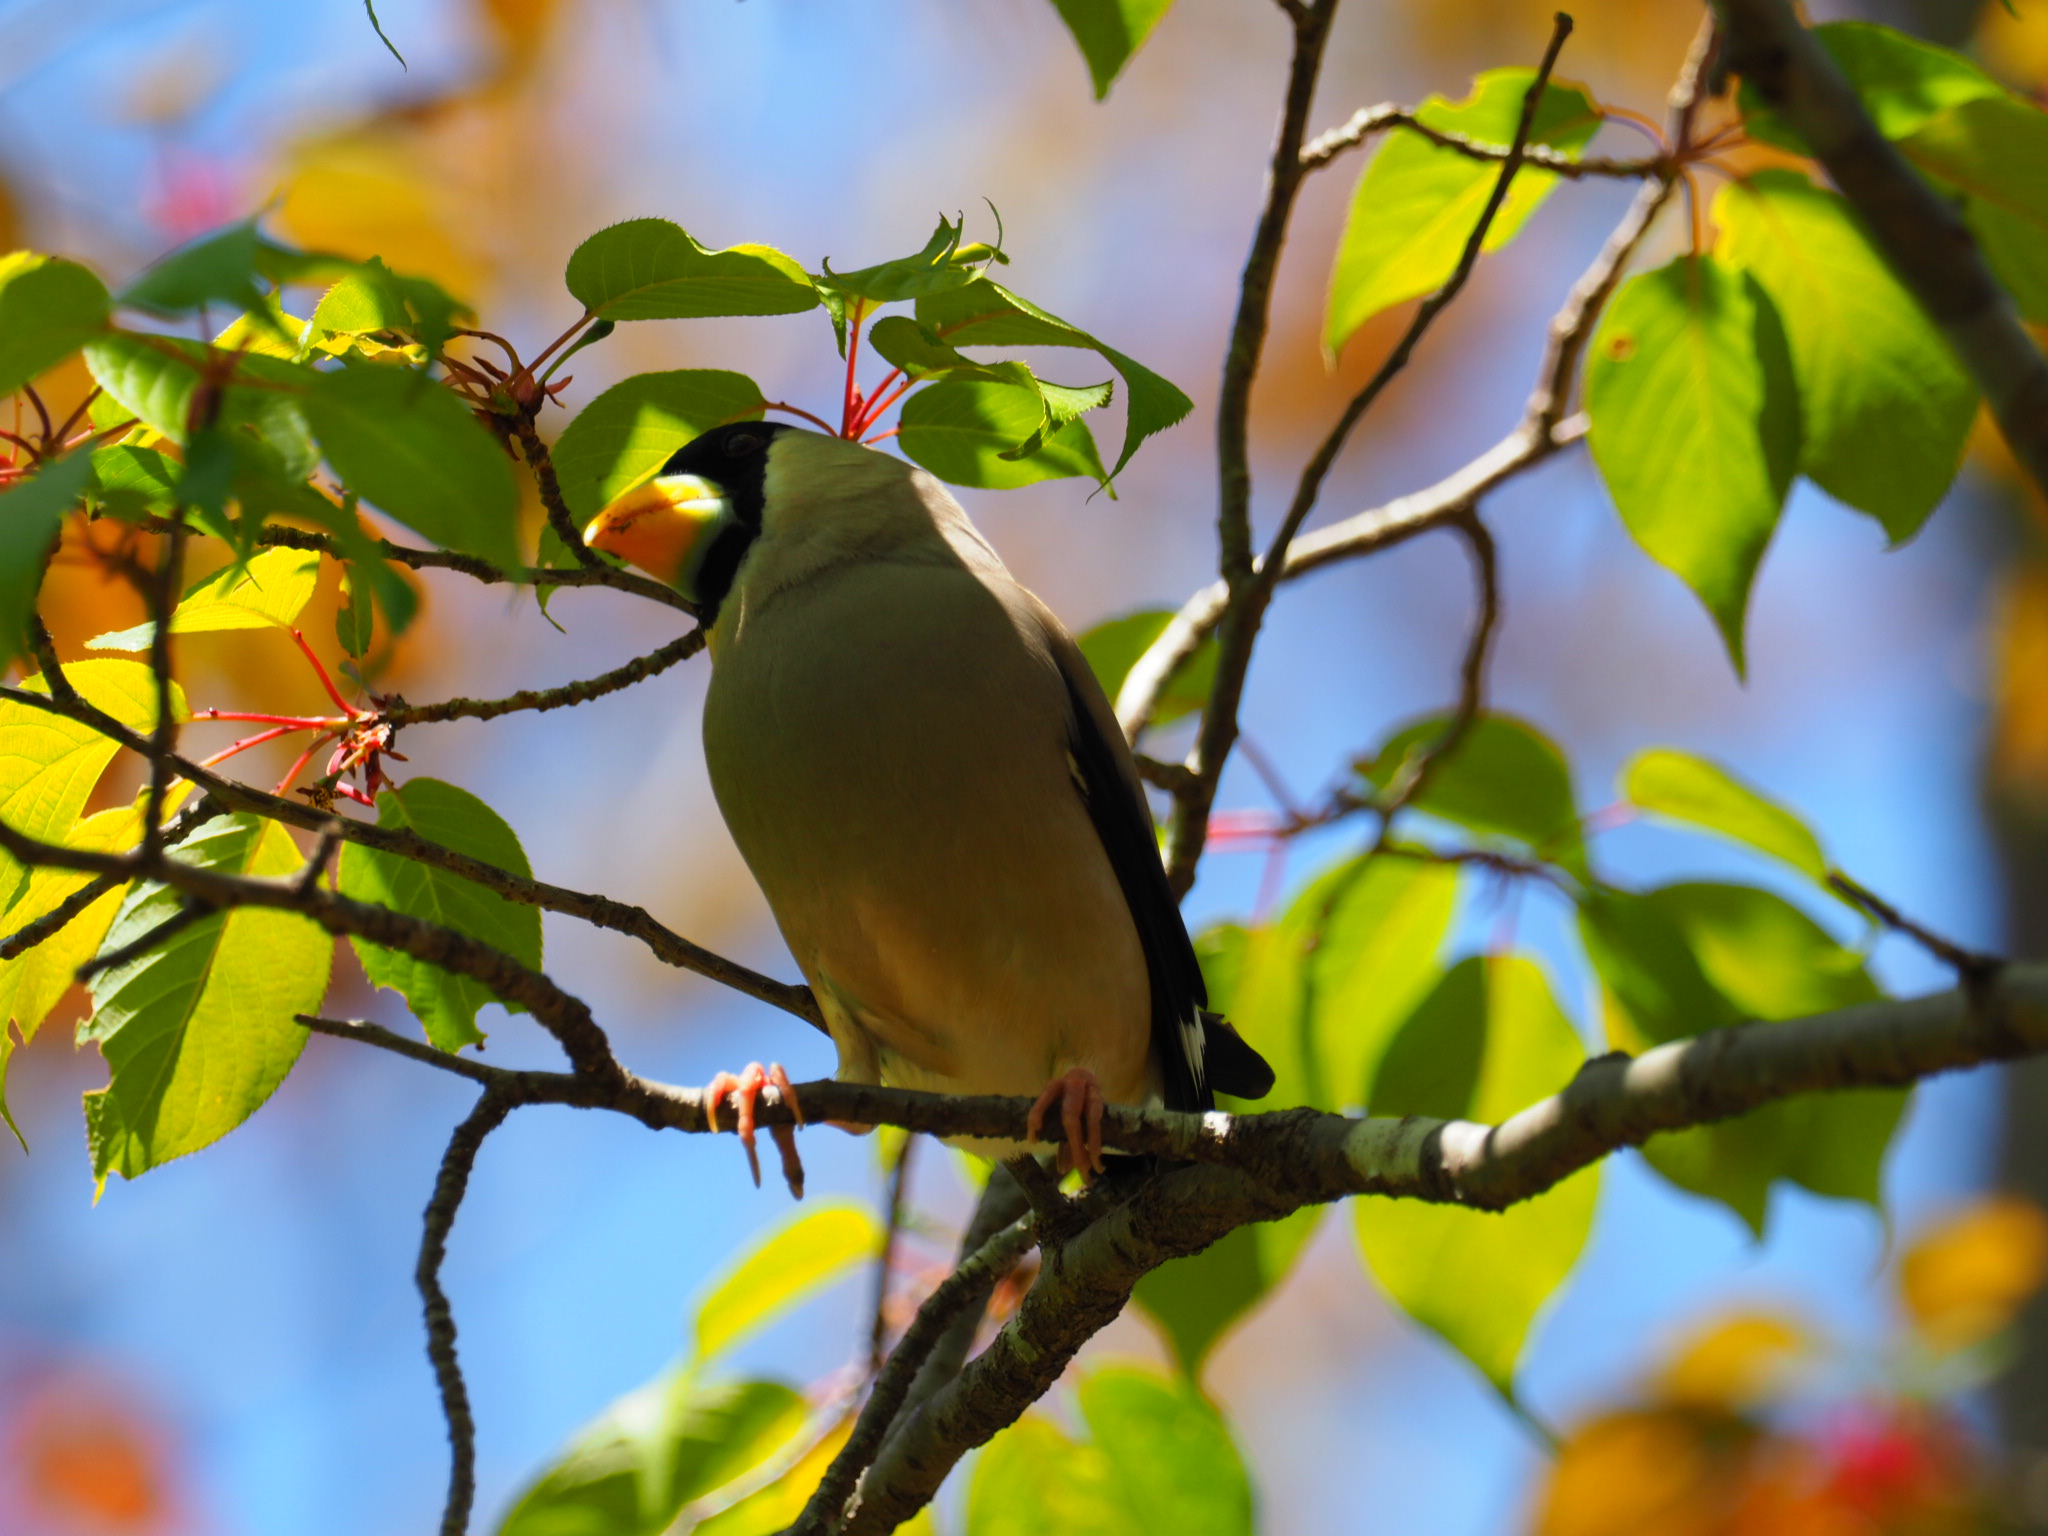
985, 314
1672, 1471
1160, 1459
1196, 1299
1504, 779
372, 299
1417, 203
1674, 784
49, 765
49, 308
1695, 425
31, 513
409, 447
1490, 1040
943, 264
268, 591
1735, 1365
262, 410
627, 433
655, 1450
219, 268
1883, 405
1109, 32
268, 330
1114, 646
962, 430
805, 1254
1688, 958
1966, 1279
1994, 152
773, 1509
649, 269
1904, 82
198, 1031
1379, 936
33, 982
445, 1003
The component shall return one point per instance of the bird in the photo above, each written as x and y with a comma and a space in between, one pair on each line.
931, 789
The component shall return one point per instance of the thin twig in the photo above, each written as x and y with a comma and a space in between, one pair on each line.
560, 518
187, 914
449, 1187
637, 670
885, 1260
1367, 121
164, 739
1972, 966
59, 917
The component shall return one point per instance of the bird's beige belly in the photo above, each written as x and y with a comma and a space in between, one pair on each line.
924, 849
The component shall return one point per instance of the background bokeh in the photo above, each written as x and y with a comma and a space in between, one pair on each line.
239, 1330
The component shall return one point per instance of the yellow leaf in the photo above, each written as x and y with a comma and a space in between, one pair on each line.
1662, 1471
1966, 1280
806, 1254
1734, 1364
270, 591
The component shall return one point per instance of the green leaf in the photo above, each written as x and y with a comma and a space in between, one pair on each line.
1994, 152
1648, 971
1109, 32
655, 1450
1903, 81
49, 765
371, 300
445, 1003
943, 264
33, 982
804, 1255
1505, 778
1114, 646
1417, 203
962, 430
627, 433
198, 1031
1160, 1459
262, 409
268, 591
31, 514
986, 314
409, 447
1490, 1040
649, 269
219, 268
1197, 1299
1674, 784
49, 308
129, 482
1771, 961
1884, 407
902, 343
1695, 425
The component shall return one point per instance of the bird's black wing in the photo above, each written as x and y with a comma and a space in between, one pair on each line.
1199, 1054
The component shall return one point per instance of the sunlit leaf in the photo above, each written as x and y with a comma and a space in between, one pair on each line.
49, 308
31, 513
1381, 930
1674, 784
410, 448
371, 299
986, 314
649, 269
262, 409
1033, 1479
445, 1003
627, 433
773, 1509
270, 591
654, 1451
962, 430
1109, 32
1490, 1040
198, 1031
1994, 153
1503, 779
1967, 1278
1883, 405
130, 481
1114, 646
1904, 81
1695, 425
944, 263
1417, 203
808, 1252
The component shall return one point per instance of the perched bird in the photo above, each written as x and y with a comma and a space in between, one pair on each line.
926, 780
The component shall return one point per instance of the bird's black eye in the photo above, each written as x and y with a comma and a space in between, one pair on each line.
743, 444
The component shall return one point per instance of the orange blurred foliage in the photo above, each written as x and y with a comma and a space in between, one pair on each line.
1967, 1279
84, 1461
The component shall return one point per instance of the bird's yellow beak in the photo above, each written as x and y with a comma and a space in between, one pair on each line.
659, 525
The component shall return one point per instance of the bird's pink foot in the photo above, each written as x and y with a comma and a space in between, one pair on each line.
745, 1090
1080, 1101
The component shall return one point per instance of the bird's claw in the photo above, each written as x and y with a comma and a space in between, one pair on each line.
745, 1090
1080, 1101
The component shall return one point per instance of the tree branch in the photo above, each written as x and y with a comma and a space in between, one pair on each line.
559, 517
639, 669
1367, 121
1919, 232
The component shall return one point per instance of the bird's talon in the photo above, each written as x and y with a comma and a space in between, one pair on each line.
745, 1091
1081, 1103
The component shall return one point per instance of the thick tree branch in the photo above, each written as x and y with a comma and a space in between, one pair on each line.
1919, 232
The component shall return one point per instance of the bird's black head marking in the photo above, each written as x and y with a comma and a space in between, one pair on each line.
734, 458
